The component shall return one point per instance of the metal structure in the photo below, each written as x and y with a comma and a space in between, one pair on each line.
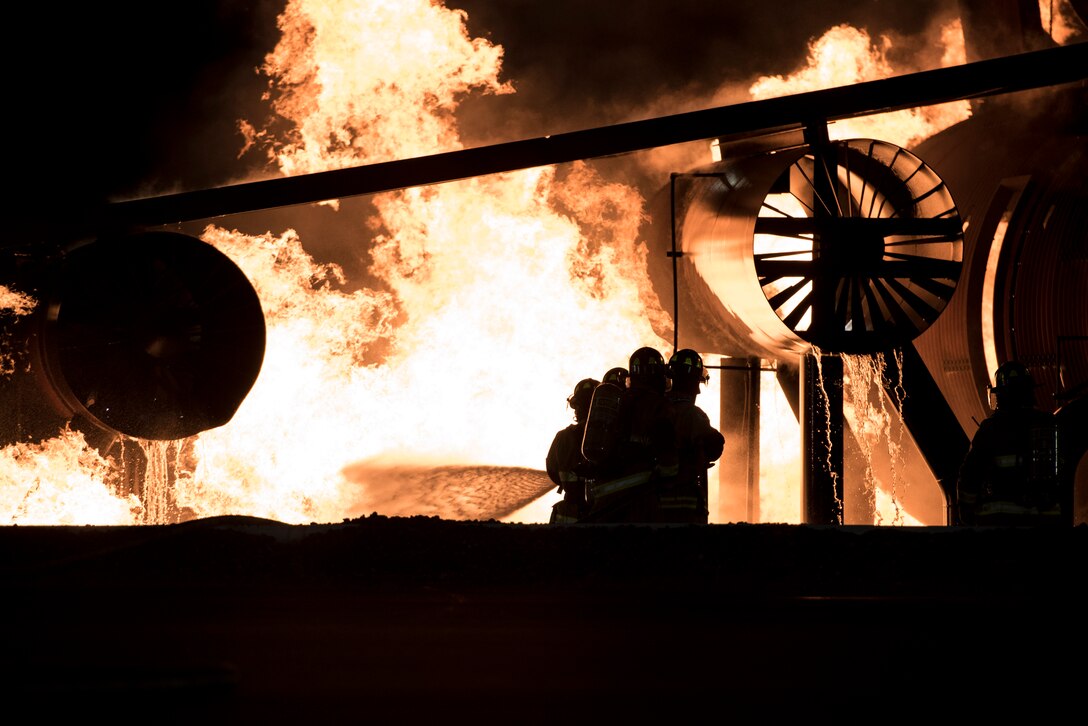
851, 247
156, 336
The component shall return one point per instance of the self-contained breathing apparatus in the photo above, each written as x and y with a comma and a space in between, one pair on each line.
612, 434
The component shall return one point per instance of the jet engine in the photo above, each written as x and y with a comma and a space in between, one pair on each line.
795, 253
849, 246
155, 335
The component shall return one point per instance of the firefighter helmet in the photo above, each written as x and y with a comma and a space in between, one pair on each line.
583, 394
1011, 375
647, 367
687, 366
616, 376
1013, 386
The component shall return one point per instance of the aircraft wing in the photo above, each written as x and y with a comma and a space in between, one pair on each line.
1025, 71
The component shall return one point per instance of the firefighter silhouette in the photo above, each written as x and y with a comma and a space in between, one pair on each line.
1010, 476
631, 437
700, 444
1072, 418
565, 465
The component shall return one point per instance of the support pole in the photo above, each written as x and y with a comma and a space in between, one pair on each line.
821, 439
738, 472
752, 412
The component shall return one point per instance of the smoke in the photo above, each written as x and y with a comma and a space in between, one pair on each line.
586, 65
579, 65
120, 101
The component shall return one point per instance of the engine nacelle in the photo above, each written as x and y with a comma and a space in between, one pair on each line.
156, 335
851, 247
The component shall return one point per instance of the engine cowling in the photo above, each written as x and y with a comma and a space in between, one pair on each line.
155, 335
852, 247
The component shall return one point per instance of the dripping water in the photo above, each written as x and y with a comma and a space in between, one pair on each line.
873, 424
825, 405
153, 468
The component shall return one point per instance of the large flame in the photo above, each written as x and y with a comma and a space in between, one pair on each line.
501, 291
494, 295
845, 55
61, 481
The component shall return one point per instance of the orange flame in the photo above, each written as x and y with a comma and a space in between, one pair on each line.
61, 481
845, 55
498, 298
15, 304
1061, 21
496, 294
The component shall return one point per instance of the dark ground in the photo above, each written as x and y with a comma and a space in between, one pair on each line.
409, 620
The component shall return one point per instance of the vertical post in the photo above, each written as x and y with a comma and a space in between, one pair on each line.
675, 255
738, 468
821, 439
752, 409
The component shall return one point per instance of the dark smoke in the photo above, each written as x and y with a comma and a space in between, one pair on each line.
577, 65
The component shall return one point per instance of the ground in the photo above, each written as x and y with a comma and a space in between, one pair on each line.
410, 619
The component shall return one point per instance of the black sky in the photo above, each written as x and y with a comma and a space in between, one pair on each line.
106, 98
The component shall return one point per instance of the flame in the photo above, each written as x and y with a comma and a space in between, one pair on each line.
61, 481
779, 456
364, 81
495, 294
845, 55
842, 56
492, 297
503, 306
13, 304
1061, 22
499, 292
872, 426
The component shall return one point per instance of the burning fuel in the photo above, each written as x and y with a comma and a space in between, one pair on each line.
491, 295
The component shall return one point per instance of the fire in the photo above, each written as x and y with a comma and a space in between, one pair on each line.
1060, 21
494, 294
501, 291
842, 56
872, 425
503, 305
61, 481
779, 456
497, 293
362, 81
845, 55
14, 304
